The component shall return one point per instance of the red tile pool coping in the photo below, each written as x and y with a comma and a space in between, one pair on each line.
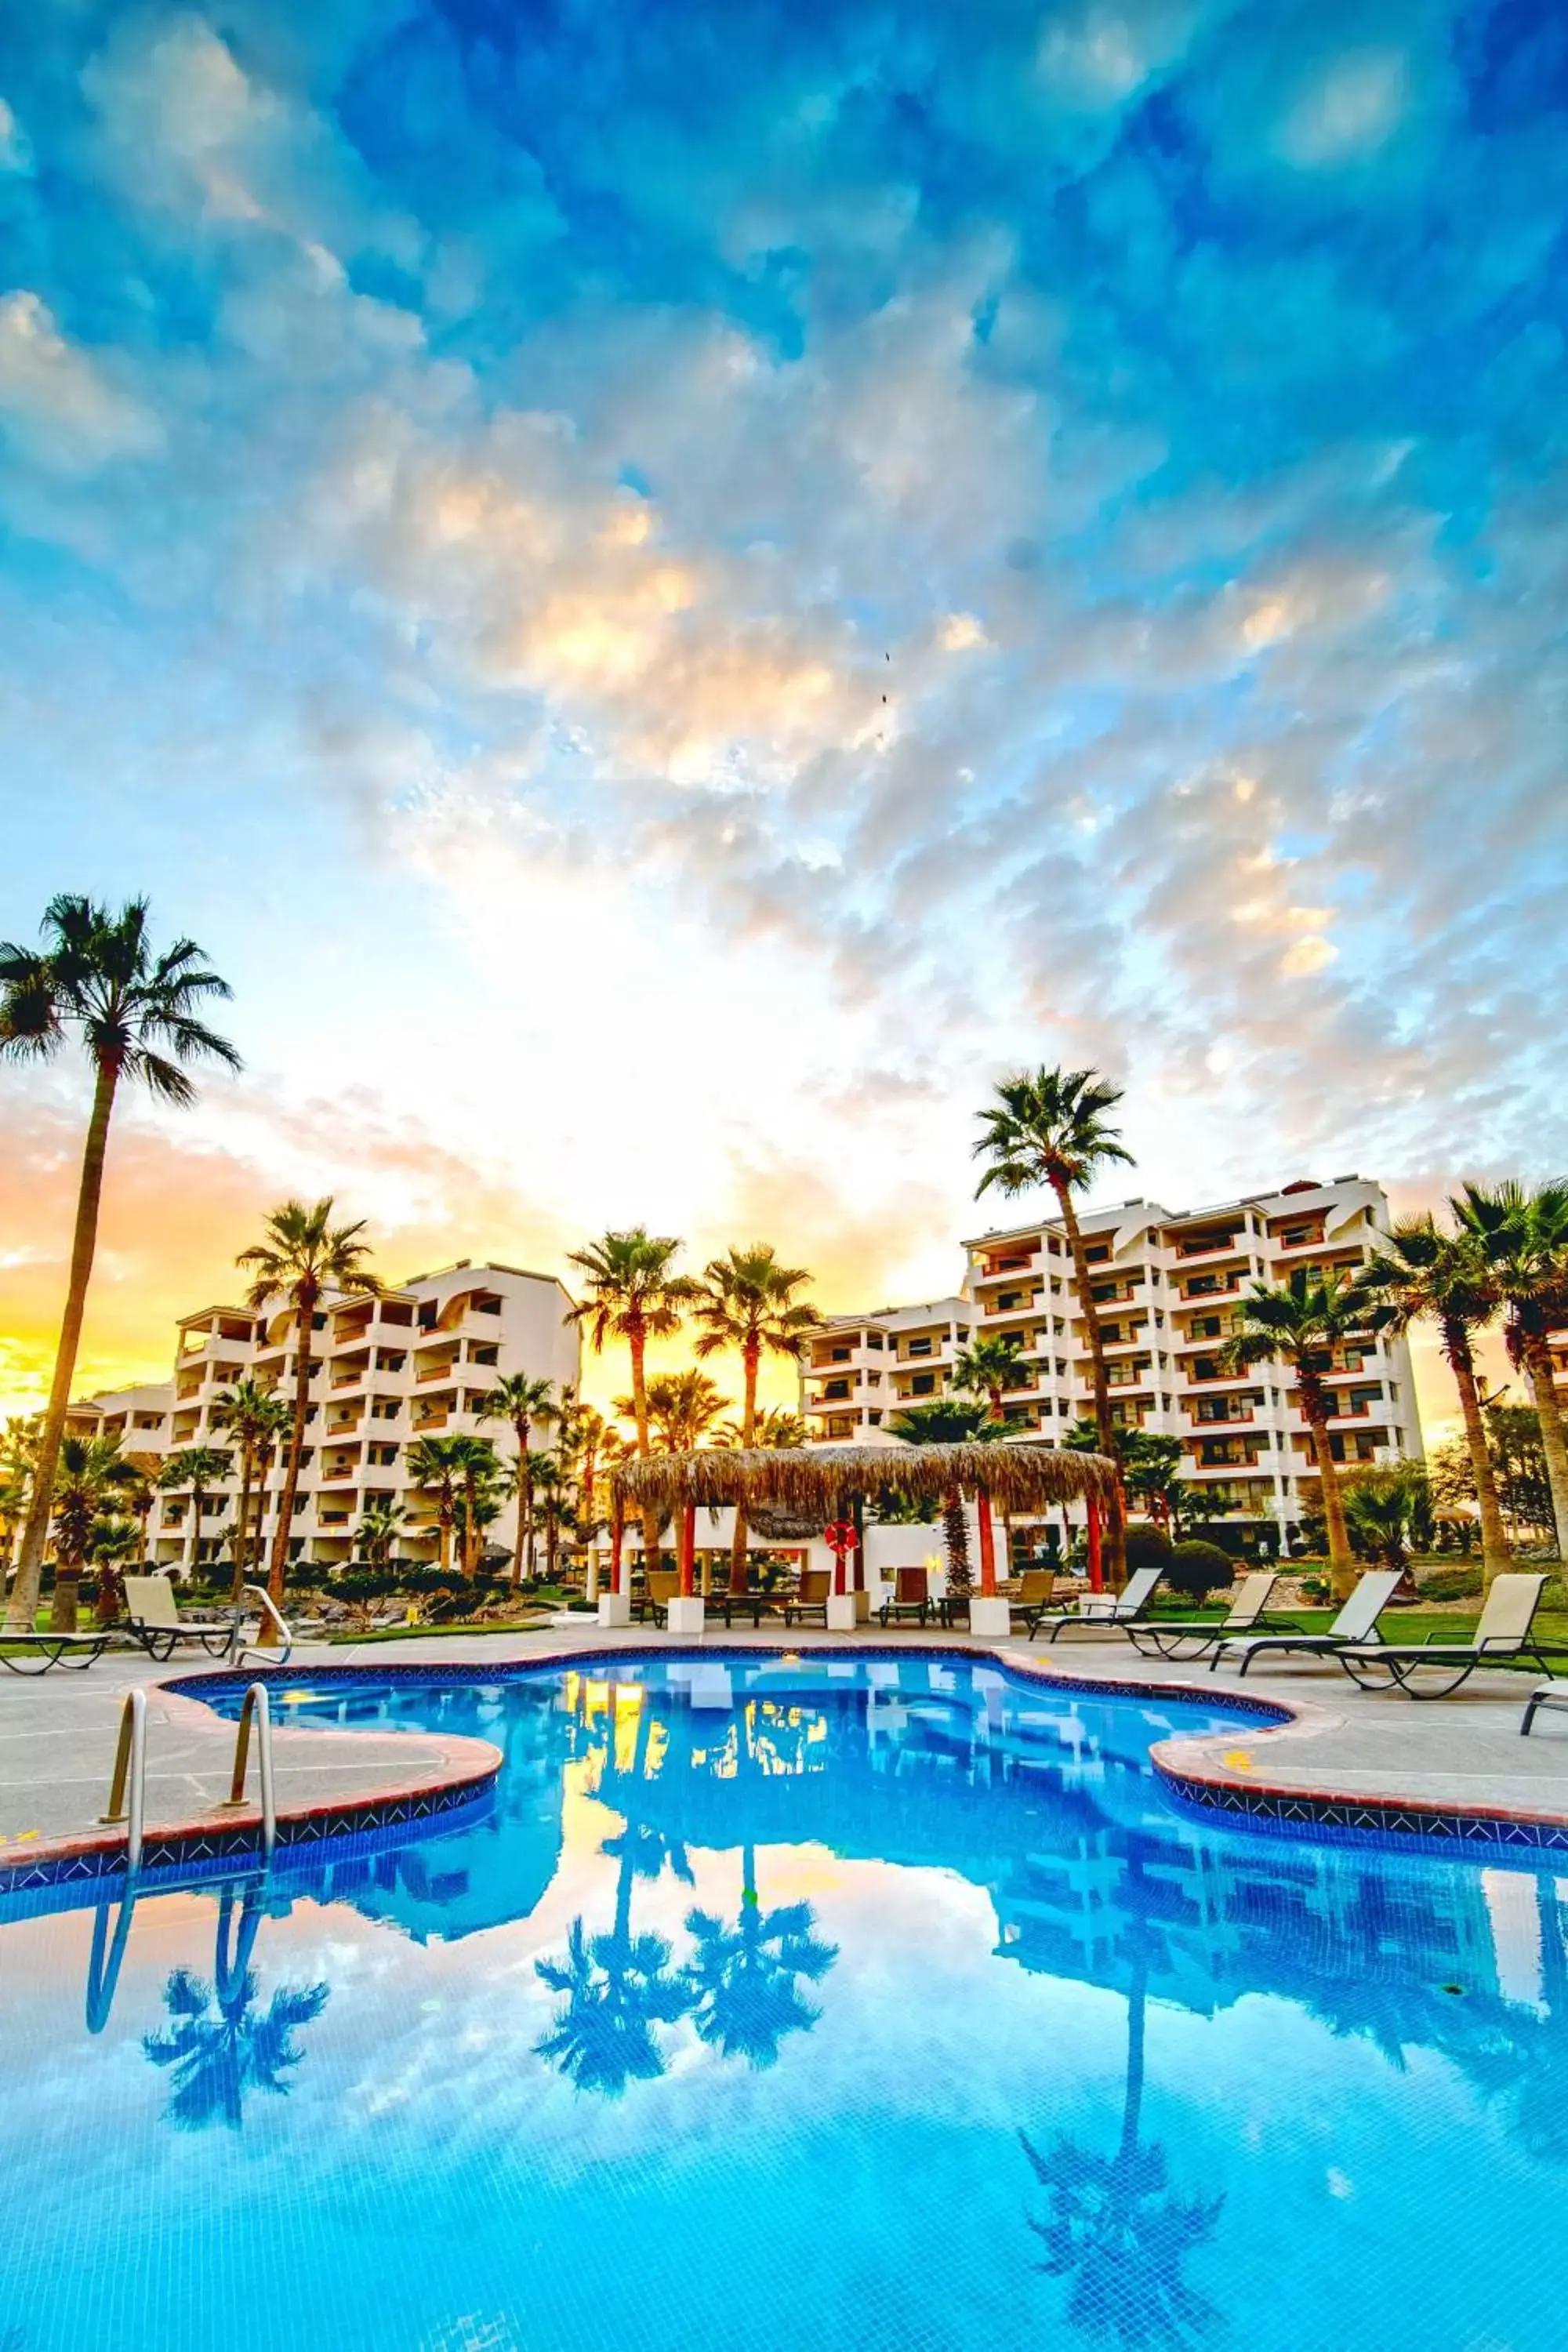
1193, 1768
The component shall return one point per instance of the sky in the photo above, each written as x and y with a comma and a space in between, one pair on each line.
671, 592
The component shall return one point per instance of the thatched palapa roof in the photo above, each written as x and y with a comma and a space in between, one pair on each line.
820, 1479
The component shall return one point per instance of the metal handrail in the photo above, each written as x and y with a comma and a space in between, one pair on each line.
286, 1632
130, 1765
256, 1704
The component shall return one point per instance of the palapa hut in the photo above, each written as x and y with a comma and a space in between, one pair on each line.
822, 1482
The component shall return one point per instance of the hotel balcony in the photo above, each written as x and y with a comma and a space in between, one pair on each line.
1212, 1245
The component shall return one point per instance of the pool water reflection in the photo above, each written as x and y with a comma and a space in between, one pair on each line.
872, 2004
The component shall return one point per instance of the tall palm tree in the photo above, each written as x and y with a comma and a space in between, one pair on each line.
552, 1507
479, 1469
137, 1012
945, 1422
746, 1978
88, 1473
18, 1451
988, 1368
524, 1405
217, 2047
1424, 1274
255, 1416
436, 1467
1048, 1128
1522, 1238
749, 1302
634, 1294
199, 1468
1305, 1322
682, 1407
303, 1258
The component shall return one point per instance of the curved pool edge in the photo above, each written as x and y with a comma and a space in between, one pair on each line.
1194, 1769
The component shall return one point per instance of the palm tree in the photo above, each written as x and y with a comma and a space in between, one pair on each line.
1049, 1127
1305, 1322
746, 1978
945, 1422
136, 1012
615, 1989
749, 1302
552, 1507
523, 1404
380, 1522
301, 1258
478, 1467
198, 1468
436, 1467
1522, 1238
988, 1368
1422, 1273
216, 2050
682, 1407
255, 1416
87, 1470
18, 1451
635, 1295
1151, 1472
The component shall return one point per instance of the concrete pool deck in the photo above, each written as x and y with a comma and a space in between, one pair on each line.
1459, 1756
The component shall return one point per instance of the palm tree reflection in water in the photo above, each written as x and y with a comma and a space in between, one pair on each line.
218, 2047
746, 1978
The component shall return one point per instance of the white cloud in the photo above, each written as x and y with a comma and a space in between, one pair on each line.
57, 401
1354, 108
16, 151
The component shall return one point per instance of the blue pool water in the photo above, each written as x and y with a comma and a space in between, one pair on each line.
878, 2005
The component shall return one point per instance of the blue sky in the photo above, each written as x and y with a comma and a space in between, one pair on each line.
670, 591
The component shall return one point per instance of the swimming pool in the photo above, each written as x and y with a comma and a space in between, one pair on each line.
874, 2003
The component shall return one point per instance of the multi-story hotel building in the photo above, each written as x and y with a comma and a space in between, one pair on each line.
1165, 1289
417, 1359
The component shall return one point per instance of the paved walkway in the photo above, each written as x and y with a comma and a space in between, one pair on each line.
57, 1732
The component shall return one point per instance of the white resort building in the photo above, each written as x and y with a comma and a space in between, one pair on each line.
417, 1361
1164, 1287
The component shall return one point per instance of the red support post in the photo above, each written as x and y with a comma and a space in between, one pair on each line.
987, 1547
618, 1582
687, 1542
1095, 1572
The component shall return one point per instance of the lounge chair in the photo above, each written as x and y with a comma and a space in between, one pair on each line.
911, 1596
1552, 1694
1109, 1613
1357, 1621
759, 1603
811, 1599
660, 1587
1177, 1637
77, 1649
153, 1616
1502, 1633
1031, 1596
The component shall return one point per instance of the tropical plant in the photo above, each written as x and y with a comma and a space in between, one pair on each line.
524, 1405
989, 1367
301, 1258
944, 1421
198, 1469
552, 1505
1049, 1127
682, 1408
136, 1011
18, 1451
1421, 1274
585, 1446
1147, 1546
1522, 1239
217, 2048
89, 1471
1305, 1322
1518, 1463
634, 1294
1196, 1568
437, 1466
1388, 1512
1150, 1472
749, 1302
381, 1523
746, 1979
255, 1416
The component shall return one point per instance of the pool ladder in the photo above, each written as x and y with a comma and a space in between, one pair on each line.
128, 1787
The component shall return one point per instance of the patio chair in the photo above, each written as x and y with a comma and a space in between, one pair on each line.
1552, 1694
1357, 1621
1175, 1637
660, 1587
1031, 1596
1503, 1631
77, 1649
911, 1596
153, 1616
811, 1599
1111, 1612
756, 1602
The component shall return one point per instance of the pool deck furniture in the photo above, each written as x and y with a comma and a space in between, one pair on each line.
1029, 1598
1109, 1613
1356, 1623
1502, 1633
810, 1598
751, 1603
911, 1597
77, 1649
660, 1586
152, 1614
1177, 1637
1550, 1695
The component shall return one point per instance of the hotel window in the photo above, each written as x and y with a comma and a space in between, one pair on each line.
923, 1384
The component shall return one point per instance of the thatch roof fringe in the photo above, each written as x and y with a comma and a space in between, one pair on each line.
820, 1479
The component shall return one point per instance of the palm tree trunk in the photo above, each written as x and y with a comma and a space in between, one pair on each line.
1132, 2101
1341, 1562
24, 1605
1538, 1364
1496, 1551
246, 1472
305, 1317
194, 1558
650, 1526
750, 1358
1116, 1508
524, 1497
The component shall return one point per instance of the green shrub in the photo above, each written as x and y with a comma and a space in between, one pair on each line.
1147, 1546
1199, 1569
1449, 1584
